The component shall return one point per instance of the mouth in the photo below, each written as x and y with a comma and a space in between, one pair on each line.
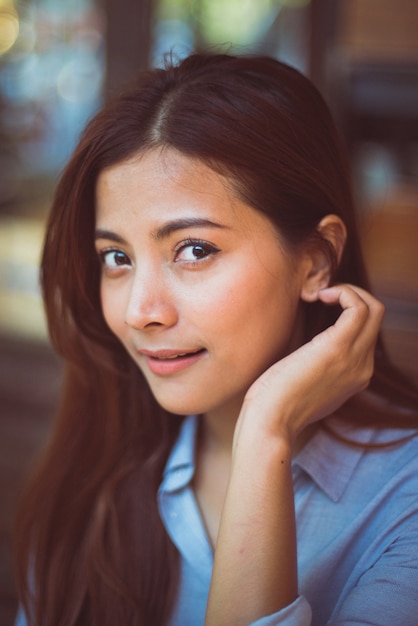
164, 355
165, 362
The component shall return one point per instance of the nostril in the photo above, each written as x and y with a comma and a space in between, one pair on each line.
148, 314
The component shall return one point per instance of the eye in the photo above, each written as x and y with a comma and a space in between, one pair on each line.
112, 259
194, 250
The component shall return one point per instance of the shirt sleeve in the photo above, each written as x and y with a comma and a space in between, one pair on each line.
387, 593
296, 614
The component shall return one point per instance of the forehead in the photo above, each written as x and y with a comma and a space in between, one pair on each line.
161, 164
164, 184
154, 174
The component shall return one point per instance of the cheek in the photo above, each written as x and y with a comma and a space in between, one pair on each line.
249, 310
113, 311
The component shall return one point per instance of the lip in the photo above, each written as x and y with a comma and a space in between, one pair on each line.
166, 362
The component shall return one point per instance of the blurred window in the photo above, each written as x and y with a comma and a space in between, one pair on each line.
275, 27
51, 71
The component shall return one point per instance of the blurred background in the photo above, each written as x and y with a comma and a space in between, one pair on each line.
60, 60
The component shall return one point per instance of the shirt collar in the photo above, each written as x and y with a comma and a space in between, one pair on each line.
180, 466
331, 462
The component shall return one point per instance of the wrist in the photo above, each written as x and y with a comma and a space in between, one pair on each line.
264, 427
253, 440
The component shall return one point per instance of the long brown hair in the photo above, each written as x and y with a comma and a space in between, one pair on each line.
91, 548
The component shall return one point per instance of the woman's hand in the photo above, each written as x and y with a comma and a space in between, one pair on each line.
255, 568
312, 382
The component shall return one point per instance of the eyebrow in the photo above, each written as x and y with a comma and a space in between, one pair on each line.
101, 233
163, 231
180, 224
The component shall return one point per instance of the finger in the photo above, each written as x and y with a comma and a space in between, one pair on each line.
360, 309
333, 294
356, 330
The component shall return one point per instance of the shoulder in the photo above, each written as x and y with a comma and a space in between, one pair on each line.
353, 462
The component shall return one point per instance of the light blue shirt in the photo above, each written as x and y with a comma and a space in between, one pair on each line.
357, 530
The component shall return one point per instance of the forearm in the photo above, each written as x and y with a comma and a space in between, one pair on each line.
255, 569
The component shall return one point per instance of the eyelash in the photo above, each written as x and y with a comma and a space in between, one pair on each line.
208, 249
104, 253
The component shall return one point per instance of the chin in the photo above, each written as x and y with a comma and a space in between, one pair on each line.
194, 404
181, 408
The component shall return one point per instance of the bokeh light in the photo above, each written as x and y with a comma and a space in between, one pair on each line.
9, 27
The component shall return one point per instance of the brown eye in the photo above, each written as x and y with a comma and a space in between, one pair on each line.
193, 250
114, 258
198, 252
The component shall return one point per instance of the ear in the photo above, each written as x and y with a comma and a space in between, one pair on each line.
323, 253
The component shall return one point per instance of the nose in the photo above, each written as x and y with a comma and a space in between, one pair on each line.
150, 304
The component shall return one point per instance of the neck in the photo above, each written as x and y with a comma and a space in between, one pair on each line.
216, 433
217, 428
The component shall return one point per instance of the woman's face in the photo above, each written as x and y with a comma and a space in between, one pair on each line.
195, 284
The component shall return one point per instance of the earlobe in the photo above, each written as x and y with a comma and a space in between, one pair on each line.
323, 254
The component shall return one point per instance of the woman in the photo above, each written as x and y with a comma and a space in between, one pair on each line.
202, 260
